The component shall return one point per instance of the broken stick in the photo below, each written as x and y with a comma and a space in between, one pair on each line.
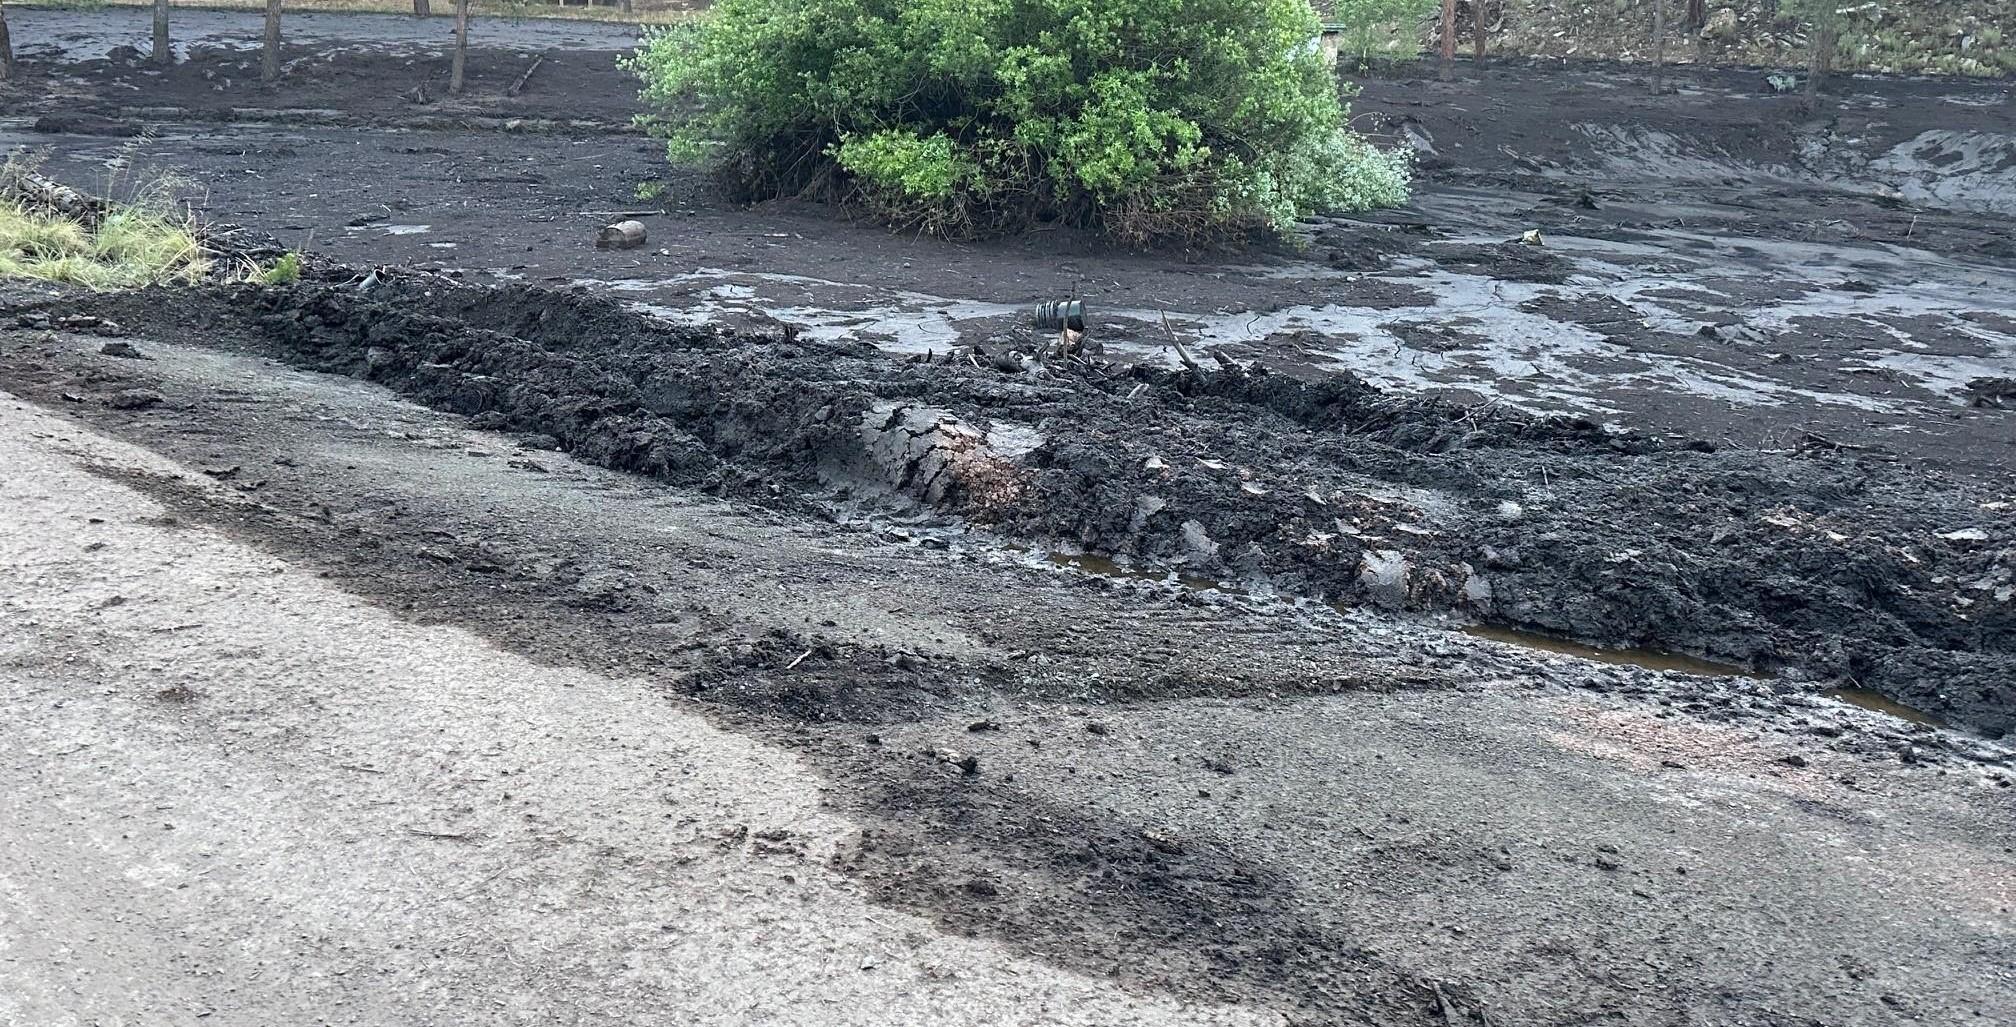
519, 86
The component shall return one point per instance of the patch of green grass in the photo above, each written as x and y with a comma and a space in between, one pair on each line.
285, 271
132, 247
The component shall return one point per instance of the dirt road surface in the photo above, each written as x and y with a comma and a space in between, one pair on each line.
739, 630
256, 773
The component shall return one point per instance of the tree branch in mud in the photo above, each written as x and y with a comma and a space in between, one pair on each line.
1181, 354
519, 86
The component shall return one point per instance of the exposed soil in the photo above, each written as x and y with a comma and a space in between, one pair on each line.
1126, 780
1099, 660
1820, 563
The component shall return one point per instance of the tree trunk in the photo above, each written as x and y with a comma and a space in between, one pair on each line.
1448, 40
421, 9
6, 47
461, 46
1658, 46
269, 54
1477, 12
162, 55
1697, 15
1820, 60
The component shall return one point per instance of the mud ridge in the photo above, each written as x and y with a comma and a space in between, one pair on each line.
1815, 564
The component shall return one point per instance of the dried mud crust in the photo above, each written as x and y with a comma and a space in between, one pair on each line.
1814, 564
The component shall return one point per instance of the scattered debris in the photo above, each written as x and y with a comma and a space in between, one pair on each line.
1991, 392
623, 235
1059, 314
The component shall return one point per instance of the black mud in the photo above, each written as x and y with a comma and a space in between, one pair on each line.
1814, 563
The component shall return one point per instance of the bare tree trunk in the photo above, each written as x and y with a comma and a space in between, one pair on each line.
1448, 40
6, 47
162, 55
269, 54
461, 46
1477, 12
421, 9
1697, 15
1658, 46
1820, 59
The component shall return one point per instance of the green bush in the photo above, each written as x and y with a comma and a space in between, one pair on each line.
284, 271
1145, 120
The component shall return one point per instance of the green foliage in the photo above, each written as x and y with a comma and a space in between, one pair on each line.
1147, 120
1371, 31
1393, 25
285, 271
1907, 37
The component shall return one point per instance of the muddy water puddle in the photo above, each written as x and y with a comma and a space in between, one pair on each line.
1089, 563
1647, 658
1511, 346
1655, 660
1869, 700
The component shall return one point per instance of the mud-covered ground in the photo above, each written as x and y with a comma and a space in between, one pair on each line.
293, 617
1178, 690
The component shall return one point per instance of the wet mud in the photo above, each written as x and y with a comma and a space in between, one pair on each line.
1812, 563
1720, 468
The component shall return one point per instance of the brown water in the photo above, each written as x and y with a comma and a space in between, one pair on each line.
1869, 700
1647, 658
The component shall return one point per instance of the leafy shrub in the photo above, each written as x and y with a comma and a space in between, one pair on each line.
284, 271
1382, 29
1145, 120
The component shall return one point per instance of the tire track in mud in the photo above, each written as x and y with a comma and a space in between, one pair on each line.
1080, 887
1809, 564
942, 836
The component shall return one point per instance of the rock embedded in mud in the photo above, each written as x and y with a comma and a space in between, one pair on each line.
1382, 573
1198, 545
134, 399
122, 350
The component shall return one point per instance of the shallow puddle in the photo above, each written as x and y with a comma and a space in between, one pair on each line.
1646, 658
1106, 568
1869, 700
